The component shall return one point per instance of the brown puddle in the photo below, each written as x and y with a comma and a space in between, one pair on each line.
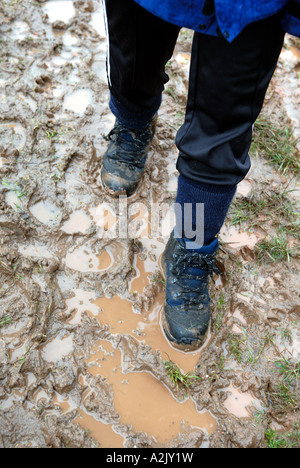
136, 393
146, 265
238, 402
142, 277
104, 260
119, 315
103, 433
82, 258
237, 239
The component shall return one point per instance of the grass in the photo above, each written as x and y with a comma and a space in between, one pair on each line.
239, 345
267, 206
267, 340
278, 145
5, 321
236, 346
158, 279
276, 248
18, 191
289, 369
286, 335
177, 377
170, 90
246, 210
285, 395
216, 370
277, 209
274, 439
221, 307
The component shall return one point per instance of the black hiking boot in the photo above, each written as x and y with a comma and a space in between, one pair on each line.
186, 313
125, 158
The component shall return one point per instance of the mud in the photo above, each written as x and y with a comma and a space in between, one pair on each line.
81, 348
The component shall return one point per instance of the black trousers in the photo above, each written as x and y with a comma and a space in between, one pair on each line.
227, 86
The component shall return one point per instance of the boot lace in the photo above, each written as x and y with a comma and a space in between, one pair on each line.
189, 289
130, 144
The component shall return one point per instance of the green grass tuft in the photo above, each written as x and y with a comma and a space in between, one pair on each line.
278, 145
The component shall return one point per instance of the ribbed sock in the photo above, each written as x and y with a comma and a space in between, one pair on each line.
131, 119
216, 200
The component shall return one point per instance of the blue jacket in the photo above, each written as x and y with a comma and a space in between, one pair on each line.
226, 16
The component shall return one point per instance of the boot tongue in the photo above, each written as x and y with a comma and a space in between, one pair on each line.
190, 272
191, 267
127, 136
204, 249
192, 246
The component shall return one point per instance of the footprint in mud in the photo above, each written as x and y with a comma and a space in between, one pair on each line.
78, 222
81, 302
35, 250
78, 101
83, 258
46, 212
57, 348
240, 403
13, 133
20, 30
105, 218
237, 239
59, 10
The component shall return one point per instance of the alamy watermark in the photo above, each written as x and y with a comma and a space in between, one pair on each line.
123, 219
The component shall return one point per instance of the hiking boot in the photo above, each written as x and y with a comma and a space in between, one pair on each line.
186, 313
125, 158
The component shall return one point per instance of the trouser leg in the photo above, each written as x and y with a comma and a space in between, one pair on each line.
227, 87
140, 45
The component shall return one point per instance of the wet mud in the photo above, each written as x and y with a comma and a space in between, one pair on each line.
82, 353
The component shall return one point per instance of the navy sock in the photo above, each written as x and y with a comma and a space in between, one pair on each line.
216, 200
130, 119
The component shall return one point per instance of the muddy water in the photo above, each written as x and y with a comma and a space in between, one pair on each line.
60, 10
78, 101
236, 238
238, 403
121, 318
136, 392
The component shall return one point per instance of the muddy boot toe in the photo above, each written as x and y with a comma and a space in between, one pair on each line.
125, 158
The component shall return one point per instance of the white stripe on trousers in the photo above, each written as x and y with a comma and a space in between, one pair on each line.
107, 42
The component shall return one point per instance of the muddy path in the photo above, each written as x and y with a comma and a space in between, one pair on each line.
83, 360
